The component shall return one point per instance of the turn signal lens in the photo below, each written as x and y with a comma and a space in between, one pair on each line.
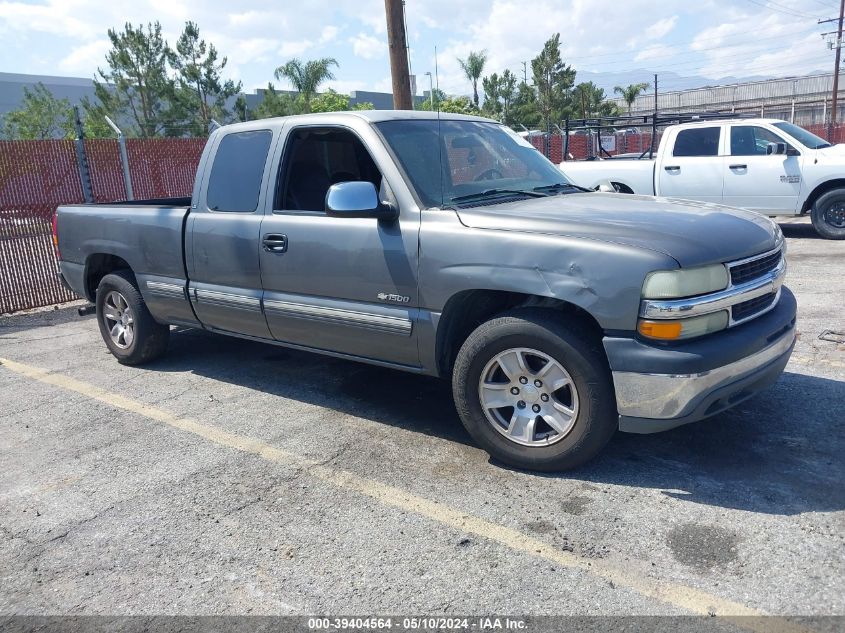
666, 330
684, 328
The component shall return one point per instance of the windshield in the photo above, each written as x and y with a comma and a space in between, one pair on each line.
480, 160
801, 135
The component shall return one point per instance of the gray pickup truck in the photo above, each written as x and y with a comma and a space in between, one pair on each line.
449, 247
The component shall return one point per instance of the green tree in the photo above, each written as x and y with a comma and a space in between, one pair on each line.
553, 80
306, 77
491, 86
41, 116
331, 101
202, 92
241, 111
458, 105
473, 66
525, 111
507, 93
589, 101
444, 103
437, 96
630, 93
276, 103
499, 95
94, 119
140, 89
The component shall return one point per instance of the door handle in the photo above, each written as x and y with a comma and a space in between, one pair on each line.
672, 168
739, 166
275, 243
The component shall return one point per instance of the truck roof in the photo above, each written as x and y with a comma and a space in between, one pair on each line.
372, 116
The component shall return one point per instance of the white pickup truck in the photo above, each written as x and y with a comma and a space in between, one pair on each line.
766, 165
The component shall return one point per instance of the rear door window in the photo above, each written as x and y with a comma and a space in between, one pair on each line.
700, 141
235, 181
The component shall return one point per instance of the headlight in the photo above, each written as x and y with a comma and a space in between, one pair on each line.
679, 329
685, 282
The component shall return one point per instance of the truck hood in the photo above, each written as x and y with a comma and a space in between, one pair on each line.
832, 153
692, 233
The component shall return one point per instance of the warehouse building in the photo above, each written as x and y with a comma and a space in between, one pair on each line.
804, 100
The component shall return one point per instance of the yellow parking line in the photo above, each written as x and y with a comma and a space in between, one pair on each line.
688, 598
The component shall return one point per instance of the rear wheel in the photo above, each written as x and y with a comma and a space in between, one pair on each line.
534, 391
828, 215
129, 330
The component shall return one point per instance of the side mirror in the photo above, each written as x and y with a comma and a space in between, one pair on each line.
357, 199
776, 148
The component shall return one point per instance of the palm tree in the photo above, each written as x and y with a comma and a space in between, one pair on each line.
630, 93
473, 66
306, 77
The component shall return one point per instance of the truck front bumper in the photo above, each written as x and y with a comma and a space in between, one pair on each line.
659, 388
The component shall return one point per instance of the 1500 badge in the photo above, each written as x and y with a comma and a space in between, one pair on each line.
790, 179
392, 297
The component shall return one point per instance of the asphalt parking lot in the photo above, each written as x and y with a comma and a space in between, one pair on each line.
239, 478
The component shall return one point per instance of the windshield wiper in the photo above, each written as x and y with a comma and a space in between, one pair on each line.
560, 186
488, 193
822, 146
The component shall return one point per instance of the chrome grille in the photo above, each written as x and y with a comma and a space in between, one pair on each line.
749, 270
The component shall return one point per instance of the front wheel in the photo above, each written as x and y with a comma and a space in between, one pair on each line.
828, 215
129, 330
534, 391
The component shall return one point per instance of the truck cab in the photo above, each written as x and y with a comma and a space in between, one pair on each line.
768, 166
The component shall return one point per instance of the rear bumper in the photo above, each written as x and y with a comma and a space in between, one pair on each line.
659, 388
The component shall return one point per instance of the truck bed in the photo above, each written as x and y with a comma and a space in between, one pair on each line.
146, 234
633, 174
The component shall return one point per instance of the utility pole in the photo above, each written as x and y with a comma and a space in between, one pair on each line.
838, 46
525, 73
398, 49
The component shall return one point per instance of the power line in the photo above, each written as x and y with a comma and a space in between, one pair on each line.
780, 8
740, 41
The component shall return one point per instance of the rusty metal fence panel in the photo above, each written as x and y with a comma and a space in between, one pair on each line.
35, 177
38, 176
162, 169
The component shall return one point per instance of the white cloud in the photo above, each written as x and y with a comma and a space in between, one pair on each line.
655, 51
170, 8
368, 46
661, 28
53, 18
294, 49
83, 58
329, 34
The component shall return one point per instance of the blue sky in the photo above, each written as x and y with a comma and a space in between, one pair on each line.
707, 38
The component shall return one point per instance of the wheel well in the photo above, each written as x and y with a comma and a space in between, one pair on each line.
621, 187
820, 190
98, 266
465, 311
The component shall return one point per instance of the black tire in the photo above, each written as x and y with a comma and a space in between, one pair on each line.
149, 338
828, 215
562, 339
